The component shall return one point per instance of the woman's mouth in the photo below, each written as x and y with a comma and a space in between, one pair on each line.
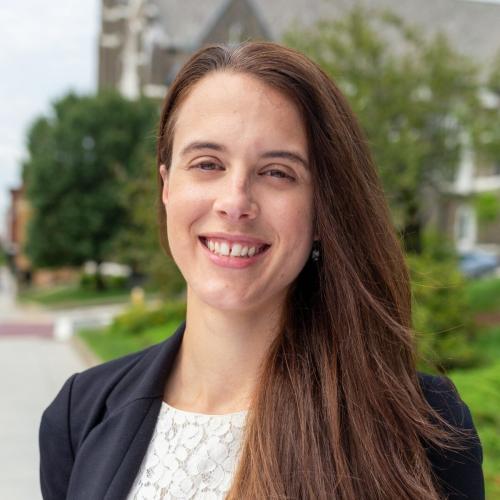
233, 254
236, 249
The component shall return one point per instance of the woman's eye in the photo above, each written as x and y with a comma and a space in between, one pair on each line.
279, 174
206, 165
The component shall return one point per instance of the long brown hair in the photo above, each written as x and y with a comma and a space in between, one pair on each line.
339, 412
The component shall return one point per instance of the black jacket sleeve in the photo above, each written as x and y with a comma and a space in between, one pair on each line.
459, 472
56, 452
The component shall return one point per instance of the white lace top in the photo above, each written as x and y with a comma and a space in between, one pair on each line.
191, 455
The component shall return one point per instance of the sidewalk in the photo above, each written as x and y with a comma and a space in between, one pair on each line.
32, 370
33, 367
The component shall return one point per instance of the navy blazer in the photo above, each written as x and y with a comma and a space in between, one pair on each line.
95, 433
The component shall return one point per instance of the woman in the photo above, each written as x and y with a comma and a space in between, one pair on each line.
294, 374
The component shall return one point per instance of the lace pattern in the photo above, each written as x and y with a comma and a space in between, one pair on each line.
190, 456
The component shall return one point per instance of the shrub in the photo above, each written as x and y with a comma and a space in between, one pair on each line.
442, 318
88, 282
116, 282
139, 318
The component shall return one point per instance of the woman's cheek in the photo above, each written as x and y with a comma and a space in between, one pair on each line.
185, 200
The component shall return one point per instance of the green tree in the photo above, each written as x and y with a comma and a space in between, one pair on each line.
487, 207
81, 157
442, 317
415, 98
487, 123
137, 244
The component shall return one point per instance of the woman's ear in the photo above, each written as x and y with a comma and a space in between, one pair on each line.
164, 176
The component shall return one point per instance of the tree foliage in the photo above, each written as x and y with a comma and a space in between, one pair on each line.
137, 244
81, 157
415, 97
487, 207
441, 314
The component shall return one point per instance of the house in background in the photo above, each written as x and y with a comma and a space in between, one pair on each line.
457, 207
143, 43
17, 217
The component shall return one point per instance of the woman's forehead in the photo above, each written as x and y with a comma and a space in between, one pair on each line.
226, 107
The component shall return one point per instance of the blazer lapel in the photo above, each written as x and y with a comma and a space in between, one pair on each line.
146, 414
109, 457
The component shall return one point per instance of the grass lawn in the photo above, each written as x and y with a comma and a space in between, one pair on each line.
480, 387
72, 295
110, 345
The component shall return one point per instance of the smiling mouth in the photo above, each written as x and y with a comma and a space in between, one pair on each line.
233, 249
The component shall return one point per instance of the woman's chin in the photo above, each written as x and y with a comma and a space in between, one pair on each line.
236, 300
229, 304
223, 299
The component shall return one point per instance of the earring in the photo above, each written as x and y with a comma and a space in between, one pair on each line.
315, 251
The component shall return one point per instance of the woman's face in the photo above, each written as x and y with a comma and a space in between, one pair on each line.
238, 184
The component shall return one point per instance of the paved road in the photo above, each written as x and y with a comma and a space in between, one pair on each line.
32, 370
33, 367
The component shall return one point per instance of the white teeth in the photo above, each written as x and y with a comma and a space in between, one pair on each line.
224, 248
234, 250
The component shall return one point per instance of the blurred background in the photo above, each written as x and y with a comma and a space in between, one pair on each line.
82, 276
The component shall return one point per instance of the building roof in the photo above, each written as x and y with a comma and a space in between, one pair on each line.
472, 26
184, 21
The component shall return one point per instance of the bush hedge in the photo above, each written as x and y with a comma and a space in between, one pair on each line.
139, 318
88, 282
442, 315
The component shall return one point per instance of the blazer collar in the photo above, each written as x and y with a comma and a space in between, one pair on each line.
146, 379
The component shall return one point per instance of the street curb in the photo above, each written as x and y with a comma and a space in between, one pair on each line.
89, 357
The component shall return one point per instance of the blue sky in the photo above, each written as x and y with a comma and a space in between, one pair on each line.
48, 48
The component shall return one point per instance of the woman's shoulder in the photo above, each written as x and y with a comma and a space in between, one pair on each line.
121, 389
95, 384
115, 368
138, 373
443, 396
109, 386
459, 472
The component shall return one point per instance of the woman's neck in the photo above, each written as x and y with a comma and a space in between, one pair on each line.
220, 358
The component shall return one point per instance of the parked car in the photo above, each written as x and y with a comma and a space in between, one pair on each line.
476, 263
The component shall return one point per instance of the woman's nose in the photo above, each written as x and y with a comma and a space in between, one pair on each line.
235, 202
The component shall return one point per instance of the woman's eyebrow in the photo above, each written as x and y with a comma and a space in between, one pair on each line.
197, 145
287, 155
